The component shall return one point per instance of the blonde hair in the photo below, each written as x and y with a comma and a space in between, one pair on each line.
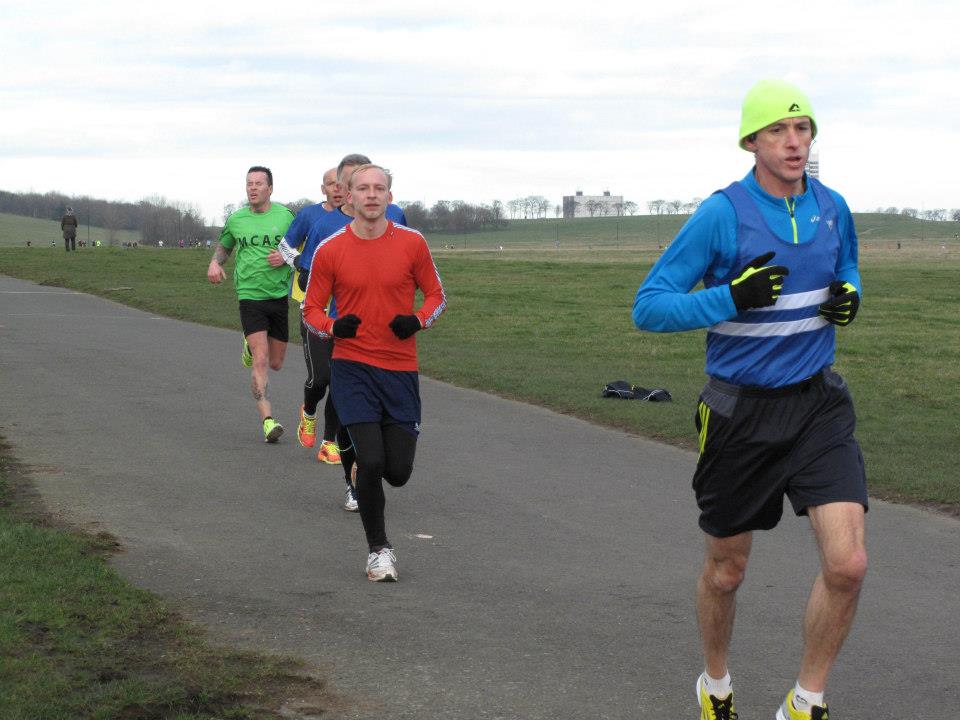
371, 166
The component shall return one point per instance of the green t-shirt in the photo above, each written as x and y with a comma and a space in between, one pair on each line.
255, 235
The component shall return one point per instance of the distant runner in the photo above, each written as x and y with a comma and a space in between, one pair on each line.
773, 419
261, 283
373, 268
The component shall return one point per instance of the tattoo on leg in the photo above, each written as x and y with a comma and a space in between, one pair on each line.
259, 393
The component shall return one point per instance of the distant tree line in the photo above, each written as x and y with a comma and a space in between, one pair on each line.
155, 218
673, 207
454, 216
448, 216
934, 214
530, 207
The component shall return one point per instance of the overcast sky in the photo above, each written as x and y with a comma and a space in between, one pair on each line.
498, 100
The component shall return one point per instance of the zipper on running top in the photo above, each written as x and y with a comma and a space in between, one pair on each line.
791, 204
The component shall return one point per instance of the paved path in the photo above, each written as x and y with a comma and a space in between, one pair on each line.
557, 582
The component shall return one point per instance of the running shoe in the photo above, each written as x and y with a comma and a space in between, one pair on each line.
272, 430
350, 501
788, 712
329, 453
307, 430
246, 357
382, 566
712, 707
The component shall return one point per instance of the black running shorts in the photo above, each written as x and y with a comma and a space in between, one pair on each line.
269, 315
758, 444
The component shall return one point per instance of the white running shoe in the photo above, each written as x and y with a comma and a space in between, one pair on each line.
382, 566
350, 501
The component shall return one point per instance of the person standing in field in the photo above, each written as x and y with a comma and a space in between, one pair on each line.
773, 419
261, 283
373, 268
68, 226
316, 350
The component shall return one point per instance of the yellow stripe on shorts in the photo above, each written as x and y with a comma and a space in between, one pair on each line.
704, 410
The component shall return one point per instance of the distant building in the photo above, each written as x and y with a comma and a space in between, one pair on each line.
813, 164
580, 205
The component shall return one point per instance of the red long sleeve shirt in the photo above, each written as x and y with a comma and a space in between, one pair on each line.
375, 280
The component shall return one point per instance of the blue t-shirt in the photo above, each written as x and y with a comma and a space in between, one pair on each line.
706, 246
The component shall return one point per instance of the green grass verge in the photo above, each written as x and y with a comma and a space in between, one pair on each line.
77, 641
553, 333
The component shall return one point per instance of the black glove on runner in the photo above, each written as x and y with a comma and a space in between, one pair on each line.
843, 304
346, 326
303, 273
404, 326
758, 285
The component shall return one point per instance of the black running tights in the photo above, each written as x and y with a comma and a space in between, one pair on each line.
316, 353
382, 451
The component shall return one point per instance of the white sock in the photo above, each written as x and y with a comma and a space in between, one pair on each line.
804, 699
718, 688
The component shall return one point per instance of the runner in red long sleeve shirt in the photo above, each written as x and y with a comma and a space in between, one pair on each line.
373, 268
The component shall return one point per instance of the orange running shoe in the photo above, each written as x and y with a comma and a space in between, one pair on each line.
329, 453
307, 430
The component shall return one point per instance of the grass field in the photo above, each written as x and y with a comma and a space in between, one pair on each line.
16, 230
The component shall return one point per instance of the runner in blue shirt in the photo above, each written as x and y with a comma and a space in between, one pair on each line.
777, 255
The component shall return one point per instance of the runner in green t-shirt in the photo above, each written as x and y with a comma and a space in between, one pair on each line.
262, 283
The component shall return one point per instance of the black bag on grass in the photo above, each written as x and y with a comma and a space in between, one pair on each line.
625, 391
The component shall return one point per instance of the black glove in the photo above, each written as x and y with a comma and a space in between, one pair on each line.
404, 326
843, 304
302, 272
346, 326
758, 284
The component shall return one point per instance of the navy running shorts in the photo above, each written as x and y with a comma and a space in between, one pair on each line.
270, 315
366, 394
759, 444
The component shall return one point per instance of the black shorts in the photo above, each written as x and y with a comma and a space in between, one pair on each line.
757, 445
269, 315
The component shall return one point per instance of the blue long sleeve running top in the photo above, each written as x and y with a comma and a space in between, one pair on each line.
706, 247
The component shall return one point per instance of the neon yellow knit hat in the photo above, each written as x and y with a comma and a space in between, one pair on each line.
772, 100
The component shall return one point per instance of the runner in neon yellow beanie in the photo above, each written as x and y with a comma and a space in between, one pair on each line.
772, 100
